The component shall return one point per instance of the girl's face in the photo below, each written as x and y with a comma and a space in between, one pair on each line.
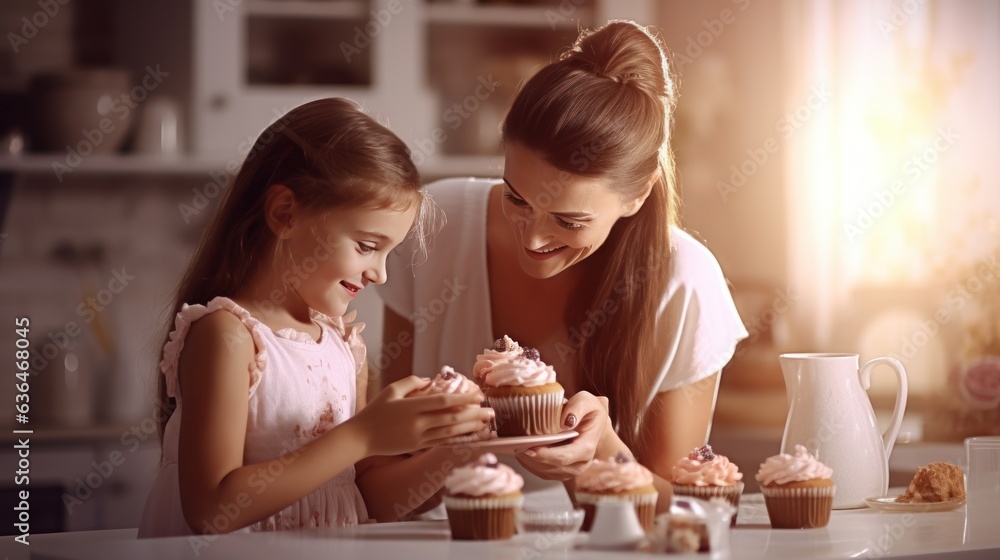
336, 253
558, 218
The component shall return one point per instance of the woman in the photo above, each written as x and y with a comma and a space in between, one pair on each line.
576, 252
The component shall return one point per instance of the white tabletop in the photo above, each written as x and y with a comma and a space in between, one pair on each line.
863, 533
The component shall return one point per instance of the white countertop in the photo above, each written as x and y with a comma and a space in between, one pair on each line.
863, 533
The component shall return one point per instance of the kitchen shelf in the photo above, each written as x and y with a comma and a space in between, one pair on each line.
41, 164
511, 16
337, 9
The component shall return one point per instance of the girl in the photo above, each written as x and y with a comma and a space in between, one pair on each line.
265, 377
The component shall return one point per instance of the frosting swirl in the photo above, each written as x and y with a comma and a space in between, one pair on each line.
484, 476
447, 381
504, 350
704, 468
785, 468
614, 475
520, 373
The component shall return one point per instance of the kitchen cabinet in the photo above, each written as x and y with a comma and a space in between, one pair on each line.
83, 479
440, 74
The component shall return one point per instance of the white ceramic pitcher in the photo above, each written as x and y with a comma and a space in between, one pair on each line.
831, 415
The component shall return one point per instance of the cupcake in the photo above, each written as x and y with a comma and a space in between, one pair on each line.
704, 474
450, 381
798, 490
619, 478
521, 389
482, 499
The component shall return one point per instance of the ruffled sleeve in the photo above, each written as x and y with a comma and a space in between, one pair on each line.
351, 333
182, 324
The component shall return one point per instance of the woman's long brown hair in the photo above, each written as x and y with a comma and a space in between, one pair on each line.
603, 110
330, 154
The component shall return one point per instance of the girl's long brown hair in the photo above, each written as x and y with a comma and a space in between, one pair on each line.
330, 154
603, 110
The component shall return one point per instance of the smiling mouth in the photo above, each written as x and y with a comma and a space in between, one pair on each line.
352, 290
543, 254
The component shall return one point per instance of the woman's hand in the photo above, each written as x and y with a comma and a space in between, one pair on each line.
393, 423
585, 413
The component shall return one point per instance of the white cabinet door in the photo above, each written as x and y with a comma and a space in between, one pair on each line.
232, 106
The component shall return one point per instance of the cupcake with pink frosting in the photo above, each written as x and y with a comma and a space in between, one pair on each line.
521, 389
482, 499
798, 490
705, 474
618, 478
450, 381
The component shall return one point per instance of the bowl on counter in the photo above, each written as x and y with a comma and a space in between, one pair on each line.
556, 521
80, 110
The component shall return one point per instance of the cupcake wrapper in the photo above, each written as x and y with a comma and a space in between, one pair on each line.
799, 508
645, 506
730, 493
638, 499
452, 502
482, 519
527, 415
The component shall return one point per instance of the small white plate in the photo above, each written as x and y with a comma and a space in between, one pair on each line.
511, 444
889, 503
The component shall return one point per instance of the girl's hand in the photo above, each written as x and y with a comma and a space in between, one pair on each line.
584, 413
393, 423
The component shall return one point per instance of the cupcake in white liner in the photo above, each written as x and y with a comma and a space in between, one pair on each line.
450, 381
482, 499
798, 490
521, 389
618, 478
705, 475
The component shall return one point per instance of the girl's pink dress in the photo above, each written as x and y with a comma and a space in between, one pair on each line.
299, 389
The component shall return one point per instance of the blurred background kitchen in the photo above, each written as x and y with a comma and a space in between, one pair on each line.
839, 158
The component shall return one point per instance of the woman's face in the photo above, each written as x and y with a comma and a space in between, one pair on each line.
558, 218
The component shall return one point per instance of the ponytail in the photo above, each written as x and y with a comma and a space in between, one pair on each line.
613, 88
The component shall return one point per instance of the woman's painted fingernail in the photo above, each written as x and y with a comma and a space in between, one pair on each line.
529, 454
570, 420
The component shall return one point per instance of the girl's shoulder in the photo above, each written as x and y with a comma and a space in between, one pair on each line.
203, 318
232, 334
222, 326
220, 339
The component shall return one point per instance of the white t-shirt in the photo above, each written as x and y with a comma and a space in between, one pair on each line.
448, 298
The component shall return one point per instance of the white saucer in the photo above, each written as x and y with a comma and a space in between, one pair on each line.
511, 444
889, 503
